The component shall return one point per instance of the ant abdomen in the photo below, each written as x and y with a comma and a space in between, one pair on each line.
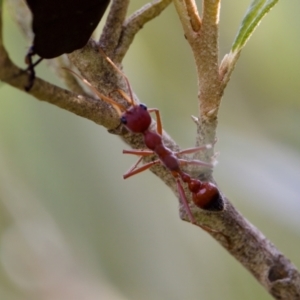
208, 197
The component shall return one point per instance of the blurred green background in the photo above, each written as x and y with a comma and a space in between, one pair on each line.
72, 228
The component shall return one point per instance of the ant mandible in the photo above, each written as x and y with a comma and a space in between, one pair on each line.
137, 119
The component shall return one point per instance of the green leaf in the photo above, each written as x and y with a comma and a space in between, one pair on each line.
256, 11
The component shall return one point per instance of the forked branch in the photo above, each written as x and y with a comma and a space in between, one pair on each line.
230, 228
243, 240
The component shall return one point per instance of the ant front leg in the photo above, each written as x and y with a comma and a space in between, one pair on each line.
158, 120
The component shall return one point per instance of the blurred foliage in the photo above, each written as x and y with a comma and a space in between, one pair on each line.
70, 224
255, 13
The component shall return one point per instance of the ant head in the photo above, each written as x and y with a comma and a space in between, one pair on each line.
136, 119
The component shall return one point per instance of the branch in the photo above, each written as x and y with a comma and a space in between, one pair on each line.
229, 228
235, 233
113, 27
204, 44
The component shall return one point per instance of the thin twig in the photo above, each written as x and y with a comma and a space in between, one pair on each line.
192, 11
204, 44
113, 27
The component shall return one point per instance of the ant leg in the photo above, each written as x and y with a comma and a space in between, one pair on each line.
158, 120
138, 152
184, 201
121, 73
126, 97
194, 149
142, 154
134, 166
134, 170
118, 107
196, 162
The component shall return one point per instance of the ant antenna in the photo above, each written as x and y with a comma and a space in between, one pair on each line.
118, 107
130, 99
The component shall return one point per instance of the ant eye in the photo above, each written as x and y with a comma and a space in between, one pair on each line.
143, 106
123, 120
